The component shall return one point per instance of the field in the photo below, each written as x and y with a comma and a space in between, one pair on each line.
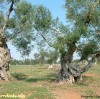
37, 82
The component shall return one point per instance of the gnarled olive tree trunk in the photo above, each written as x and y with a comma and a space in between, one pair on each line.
4, 51
69, 72
66, 59
4, 60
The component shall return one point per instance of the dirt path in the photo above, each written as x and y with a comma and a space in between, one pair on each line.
61, 94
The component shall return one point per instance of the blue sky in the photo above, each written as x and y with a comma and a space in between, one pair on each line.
57, 9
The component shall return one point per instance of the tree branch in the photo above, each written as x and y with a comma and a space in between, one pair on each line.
6, 19
89, 65
45, 39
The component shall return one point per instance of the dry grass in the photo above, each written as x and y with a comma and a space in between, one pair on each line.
37, 82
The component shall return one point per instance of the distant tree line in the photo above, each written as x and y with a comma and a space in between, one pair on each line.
40, 58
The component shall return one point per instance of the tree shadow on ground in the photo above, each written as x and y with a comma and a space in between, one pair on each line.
50, 78
19, 76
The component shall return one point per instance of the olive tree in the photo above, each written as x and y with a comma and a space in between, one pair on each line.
84, 20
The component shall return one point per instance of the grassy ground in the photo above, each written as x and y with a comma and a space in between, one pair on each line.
37, 82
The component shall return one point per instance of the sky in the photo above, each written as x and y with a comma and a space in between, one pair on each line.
57, 10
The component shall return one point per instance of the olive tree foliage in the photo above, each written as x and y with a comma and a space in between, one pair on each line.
26, 23
85, 19
87, 16
19, 24
22, 34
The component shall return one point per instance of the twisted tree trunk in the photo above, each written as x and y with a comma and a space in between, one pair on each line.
66, 59
4, 51
69, 72
4, 62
